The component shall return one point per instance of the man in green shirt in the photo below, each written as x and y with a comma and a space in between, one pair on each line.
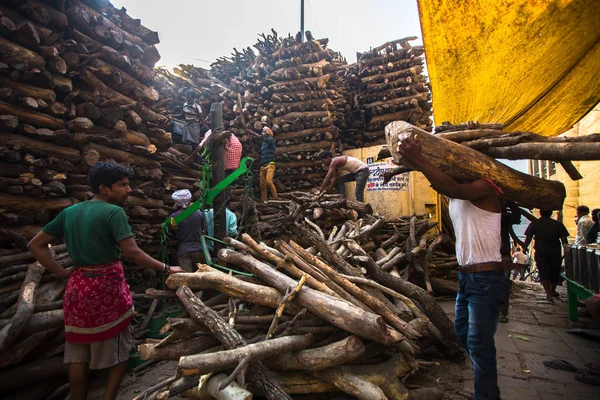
97, 303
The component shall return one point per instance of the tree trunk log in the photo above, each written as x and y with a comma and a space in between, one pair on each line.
13, 54
123, 82
122, 156
23, 89
19, 202
341, 314
174, 351
258, 374
461, 162
331, 355
31, 117
311, 146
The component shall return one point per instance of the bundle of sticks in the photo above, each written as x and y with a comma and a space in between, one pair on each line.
322, 316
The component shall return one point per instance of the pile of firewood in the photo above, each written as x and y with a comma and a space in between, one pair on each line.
390, 86
77, 88
325, 311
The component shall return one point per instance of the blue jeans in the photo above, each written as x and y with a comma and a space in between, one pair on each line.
360, 177
480, 297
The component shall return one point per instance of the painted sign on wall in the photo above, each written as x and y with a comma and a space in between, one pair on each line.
376, 171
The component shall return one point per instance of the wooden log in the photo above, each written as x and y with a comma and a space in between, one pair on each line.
236, 288
337, 312
43, 33
173, 351
42, 13
18, 352
258, 374
461, 162
337, 353
311, 146
212, 390
20, 202
13, 55
319, 82
123, 82
222, 360
430, 307
400, 115
304, 133
31, 117
39, 147
122, 156
23, 89
547, 151
16, 378
10, 333
291, 117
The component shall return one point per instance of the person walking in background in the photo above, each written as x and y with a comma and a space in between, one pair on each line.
548, 234
267, 163
188, 232
192, 112
592, 236
98, 307
519, 257
475, 211
584, 224
358, 171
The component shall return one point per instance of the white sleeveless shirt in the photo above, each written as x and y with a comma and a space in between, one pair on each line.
477, 233
353, 165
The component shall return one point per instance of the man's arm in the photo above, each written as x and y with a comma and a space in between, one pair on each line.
410, 149
329, 180
564, 240
131, 250
192, 154
527, 243
40, 250
254, 133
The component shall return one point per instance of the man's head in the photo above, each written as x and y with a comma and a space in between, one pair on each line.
582, 211
182, 197
110, 181
595, 215
326, 157
546, 213
190, 95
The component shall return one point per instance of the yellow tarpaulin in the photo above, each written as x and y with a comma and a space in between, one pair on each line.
533, 65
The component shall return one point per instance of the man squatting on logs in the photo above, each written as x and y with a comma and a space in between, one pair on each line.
98, 307
475, 211
358, 171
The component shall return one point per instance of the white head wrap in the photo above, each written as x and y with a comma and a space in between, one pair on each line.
183, 197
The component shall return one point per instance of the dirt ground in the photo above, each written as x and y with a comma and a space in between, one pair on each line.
536, 332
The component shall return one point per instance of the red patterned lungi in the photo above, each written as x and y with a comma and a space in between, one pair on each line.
97, 303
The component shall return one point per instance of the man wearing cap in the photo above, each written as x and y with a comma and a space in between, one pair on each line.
267, 163
358, 171
189, 232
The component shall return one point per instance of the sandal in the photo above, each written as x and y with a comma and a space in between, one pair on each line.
561, 365
589, 379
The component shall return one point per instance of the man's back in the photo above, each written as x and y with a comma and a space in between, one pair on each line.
584, 225
189, 231
92, 231
547, 233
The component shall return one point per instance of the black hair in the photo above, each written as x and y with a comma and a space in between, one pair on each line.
595, 214
107, 174
325, 154
204, 129
583, 209
546, 213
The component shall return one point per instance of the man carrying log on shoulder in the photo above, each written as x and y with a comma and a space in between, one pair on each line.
98, 307
475, 210
358, 171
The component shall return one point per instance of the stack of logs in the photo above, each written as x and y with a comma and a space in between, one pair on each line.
292, 88
75, 90
391, 87
326, 310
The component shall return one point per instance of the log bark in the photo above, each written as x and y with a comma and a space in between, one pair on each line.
337, 353
19, 377
28, 116
122, 156
258, 374
22, 89
236, 288
461, 162
13, 55
20, 202
311, 146
222, 360
10, 334
173, 351
337, 312
547, 151
42, 13
123, 82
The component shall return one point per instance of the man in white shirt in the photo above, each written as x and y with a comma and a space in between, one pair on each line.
584, 224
